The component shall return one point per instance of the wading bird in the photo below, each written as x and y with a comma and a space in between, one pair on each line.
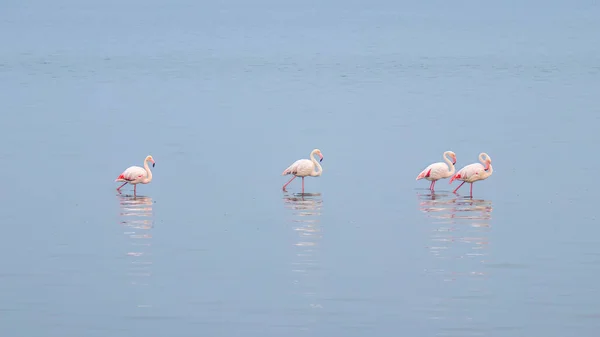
136, 175
439, 170
304, 168
474, 172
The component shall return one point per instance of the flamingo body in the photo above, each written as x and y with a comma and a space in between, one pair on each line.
474, 172
136, 175
300, 168
133, 175
435, 171
471, 173
439, 170
304, 168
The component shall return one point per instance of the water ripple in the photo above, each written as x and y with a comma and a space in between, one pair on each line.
459, 234
306, 267
137, 219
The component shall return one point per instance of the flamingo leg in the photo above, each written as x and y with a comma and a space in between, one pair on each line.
134, 191
119, 188
294, 177
471, 190
460, 186
302, 185
431, 186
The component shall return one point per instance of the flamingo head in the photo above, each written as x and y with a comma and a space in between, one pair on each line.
150, 159
453, 156
318, 153
487, 161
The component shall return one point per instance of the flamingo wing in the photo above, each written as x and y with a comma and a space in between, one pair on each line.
434, 171
469, 173
132, 173
302, 167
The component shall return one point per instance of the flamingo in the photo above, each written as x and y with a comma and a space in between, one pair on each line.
136, 175
439, 170
304, 167
474, 172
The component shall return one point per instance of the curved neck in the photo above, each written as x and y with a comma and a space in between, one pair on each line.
481, 159
484, 162
147, 168
451, 167
317, 165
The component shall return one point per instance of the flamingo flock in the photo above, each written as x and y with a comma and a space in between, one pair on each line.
312, 168
468, 174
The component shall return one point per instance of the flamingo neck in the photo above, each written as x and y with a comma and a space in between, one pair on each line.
147, 168
451, 168
481, 159
317, 165
484, 162
490, 170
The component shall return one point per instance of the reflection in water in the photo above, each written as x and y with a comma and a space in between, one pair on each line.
460, 228
458, 221
137, 219
306, 211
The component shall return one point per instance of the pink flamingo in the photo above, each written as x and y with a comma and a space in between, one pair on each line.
136, 175
304, 167
439, 170
474, 172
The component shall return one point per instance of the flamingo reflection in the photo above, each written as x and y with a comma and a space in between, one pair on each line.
306, 223
137, 219
460, 228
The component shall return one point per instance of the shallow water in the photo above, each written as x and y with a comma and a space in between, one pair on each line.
225, 96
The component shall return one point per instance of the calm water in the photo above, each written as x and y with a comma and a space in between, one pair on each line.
225, 95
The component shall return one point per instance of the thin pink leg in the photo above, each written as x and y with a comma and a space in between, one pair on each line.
134, 191
460, 186
471, 189
294, 177
302, 185
119, 188
431, 186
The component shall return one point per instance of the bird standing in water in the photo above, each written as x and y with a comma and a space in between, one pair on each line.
136, 175
439, 170
305, 168
474, 172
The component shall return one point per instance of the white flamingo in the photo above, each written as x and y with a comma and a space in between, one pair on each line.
136, 175
474, 172
439, 170
304, 168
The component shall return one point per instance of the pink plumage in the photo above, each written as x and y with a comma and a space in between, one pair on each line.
132, 174
474, 172
136, 175
440, 170
305, 168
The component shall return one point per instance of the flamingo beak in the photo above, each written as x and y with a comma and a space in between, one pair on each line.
320, 155
488, 166
153, 163
454, 161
